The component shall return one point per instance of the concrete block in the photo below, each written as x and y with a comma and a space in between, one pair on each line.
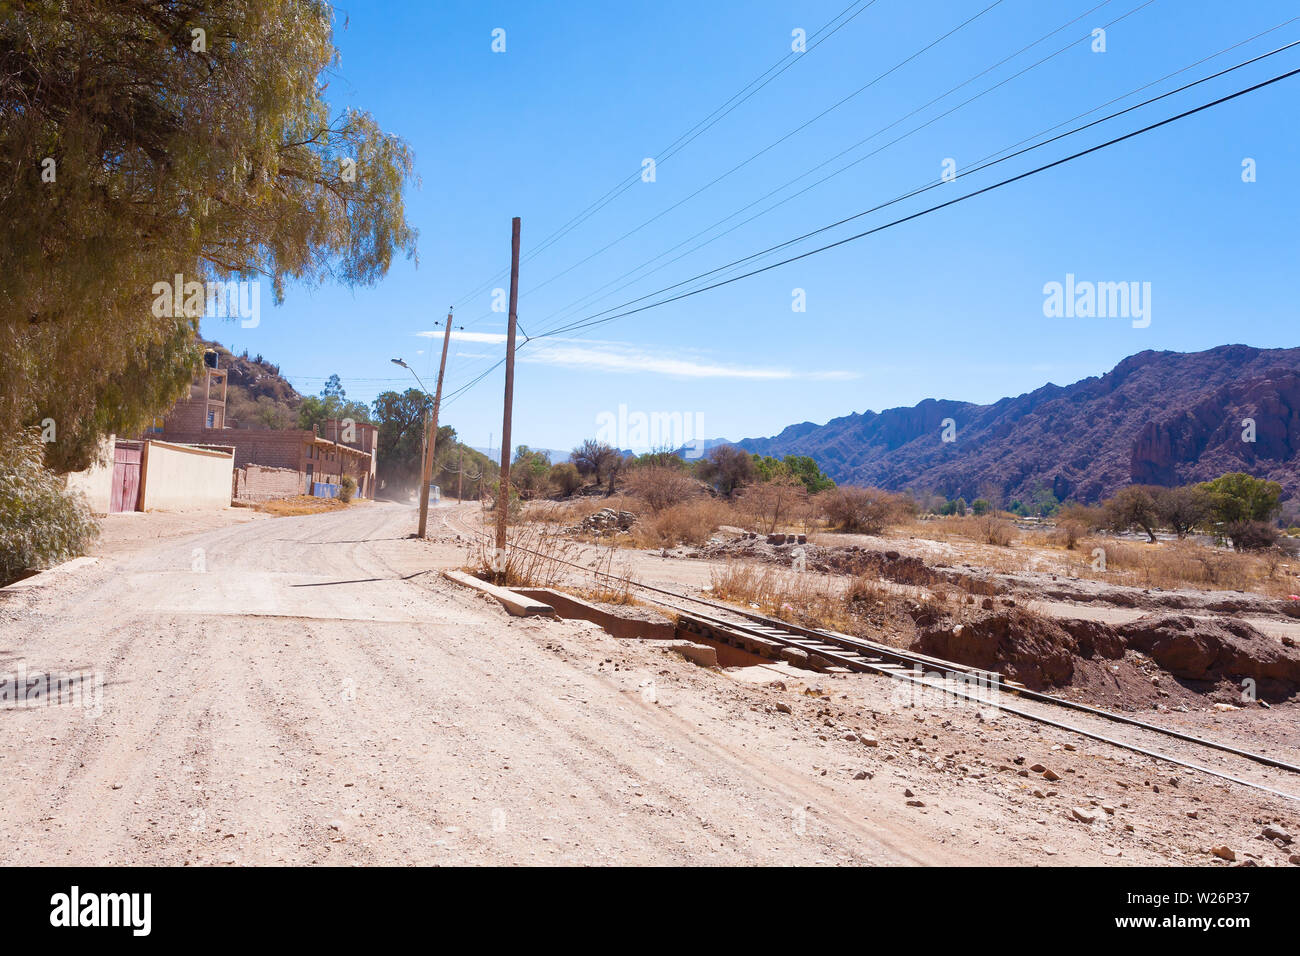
516, 604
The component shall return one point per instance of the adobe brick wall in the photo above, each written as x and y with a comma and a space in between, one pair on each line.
261, 483
276, 449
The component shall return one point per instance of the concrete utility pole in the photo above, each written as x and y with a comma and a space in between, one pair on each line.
431, 438
503, 485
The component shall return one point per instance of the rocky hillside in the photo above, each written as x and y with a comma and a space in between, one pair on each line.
1157, 417
256, 393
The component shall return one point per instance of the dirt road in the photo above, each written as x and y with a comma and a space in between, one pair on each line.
297, 690
309, 690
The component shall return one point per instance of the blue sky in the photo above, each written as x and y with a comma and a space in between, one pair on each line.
947, 306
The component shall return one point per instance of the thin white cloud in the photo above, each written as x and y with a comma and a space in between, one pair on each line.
605, 358
626, 358
489, 337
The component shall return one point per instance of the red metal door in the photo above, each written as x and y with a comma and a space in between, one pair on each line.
126, 479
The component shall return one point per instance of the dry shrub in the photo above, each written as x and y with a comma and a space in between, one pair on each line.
565, 513
986, 529
1089, 517
690, 522
789, 595
863, 510
565, 478
1185, 563
535, 557
1068, 534
661, 486
767, 505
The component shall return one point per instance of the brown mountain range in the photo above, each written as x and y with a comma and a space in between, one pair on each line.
1157, 418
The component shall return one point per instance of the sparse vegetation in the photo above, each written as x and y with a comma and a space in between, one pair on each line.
1237, 507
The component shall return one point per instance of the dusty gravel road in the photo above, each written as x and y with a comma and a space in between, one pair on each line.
301, 690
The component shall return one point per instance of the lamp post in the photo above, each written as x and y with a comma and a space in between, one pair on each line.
424, 449
431, 432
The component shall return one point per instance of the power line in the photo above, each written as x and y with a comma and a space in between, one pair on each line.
980, 165
944, 205
660, 159
693, 133
597, 320
790, 134
842, 152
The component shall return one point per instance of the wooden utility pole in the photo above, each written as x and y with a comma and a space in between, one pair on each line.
503, 484
460, 475
431, 438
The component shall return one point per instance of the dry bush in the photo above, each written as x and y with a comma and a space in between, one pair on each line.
869, 589
1090, 517
789, 595
536, 557
817, 600
766, 506
1068, 534
565, 477
690, 522
986, 529
863, 510
1186, 563
563, 513
661, 486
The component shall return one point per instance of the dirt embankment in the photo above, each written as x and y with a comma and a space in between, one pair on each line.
1042, 652
1052, 587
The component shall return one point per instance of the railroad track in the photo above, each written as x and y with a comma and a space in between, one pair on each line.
831, 651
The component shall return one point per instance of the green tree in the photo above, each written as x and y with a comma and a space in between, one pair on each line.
806, 470
1134, 506
1243, 508
400, 443
136, 150
597, 459
801, 468
332, 404
530, 471
1238, 496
